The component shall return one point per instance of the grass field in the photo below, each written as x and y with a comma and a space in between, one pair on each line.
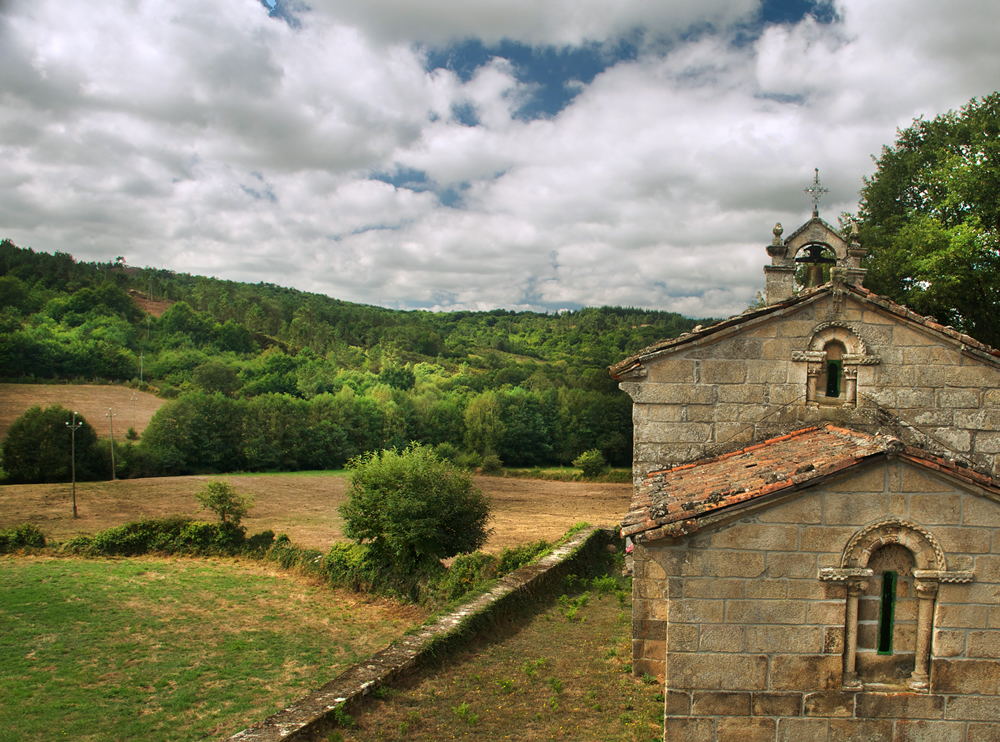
563, 672
154, 649
303, 506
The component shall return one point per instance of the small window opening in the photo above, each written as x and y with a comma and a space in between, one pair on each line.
886, 610
833, 369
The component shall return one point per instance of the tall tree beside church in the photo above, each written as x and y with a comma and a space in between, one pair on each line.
930, 217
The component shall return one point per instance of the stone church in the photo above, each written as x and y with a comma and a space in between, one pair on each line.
816, 515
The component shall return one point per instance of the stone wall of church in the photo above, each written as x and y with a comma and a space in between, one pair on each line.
724, 392
752, 642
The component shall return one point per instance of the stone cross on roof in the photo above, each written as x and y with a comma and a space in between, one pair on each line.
816, 191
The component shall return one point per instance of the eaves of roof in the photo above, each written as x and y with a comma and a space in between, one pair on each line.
752, 317
684, 499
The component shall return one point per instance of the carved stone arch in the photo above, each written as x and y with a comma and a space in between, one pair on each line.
926, 549
796, 249
838, 331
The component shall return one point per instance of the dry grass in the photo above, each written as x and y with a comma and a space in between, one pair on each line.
90, 400
304, 507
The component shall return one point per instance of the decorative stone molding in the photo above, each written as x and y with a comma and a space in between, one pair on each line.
877, 534
940, 576
832, 574
808, 355
827, 331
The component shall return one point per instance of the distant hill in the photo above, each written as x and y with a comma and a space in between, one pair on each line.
530, 387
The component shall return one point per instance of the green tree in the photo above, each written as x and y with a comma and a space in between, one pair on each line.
225, 501
484, 429
197, 433
216, 376
410, 506
38, 445
930, 217
591, 462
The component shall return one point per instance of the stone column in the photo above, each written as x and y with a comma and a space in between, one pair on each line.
855, 588
926, 592
850, 386
812, 378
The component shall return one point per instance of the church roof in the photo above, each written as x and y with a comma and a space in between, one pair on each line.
735, 324
684, 499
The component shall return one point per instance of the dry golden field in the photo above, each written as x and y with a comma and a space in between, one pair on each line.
90, 400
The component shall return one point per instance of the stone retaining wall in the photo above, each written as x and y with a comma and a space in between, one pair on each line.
312, 716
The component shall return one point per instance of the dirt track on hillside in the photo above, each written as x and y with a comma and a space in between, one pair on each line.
304, 507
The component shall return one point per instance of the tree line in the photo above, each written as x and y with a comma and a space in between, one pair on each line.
260, 377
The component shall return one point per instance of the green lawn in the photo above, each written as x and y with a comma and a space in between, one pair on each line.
158, 649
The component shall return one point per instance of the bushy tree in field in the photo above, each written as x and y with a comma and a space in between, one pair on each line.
591, 462
225, 501
930, 217
409, 506
38, 444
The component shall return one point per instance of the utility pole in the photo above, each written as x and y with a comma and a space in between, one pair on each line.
140, 368
111, 425
135, 396
72, 436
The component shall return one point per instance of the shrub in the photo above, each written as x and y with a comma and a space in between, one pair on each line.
492, 464
166, 535
225, 501
591, 462
447, 451
139, 537
261, 541
468, 460
409, 506
515, 557
465, 574
27, 536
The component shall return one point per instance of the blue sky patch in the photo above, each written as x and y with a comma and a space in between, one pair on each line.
549, 70
405, 177
555, 72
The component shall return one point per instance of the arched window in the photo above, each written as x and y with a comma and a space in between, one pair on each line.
833, 356
831, 377
893, 649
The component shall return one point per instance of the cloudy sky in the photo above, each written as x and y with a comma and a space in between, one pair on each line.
524, 154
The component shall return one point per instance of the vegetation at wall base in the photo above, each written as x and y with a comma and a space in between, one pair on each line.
545, 675
23, 537
171, 536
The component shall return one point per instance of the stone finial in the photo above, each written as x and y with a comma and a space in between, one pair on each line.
778, 229
855, 233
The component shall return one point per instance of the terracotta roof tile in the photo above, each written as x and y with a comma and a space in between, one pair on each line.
671, 501
675, 502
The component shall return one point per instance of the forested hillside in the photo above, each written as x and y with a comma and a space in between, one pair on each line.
262, 377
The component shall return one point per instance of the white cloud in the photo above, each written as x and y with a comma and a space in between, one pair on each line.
213, 139
554, 22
